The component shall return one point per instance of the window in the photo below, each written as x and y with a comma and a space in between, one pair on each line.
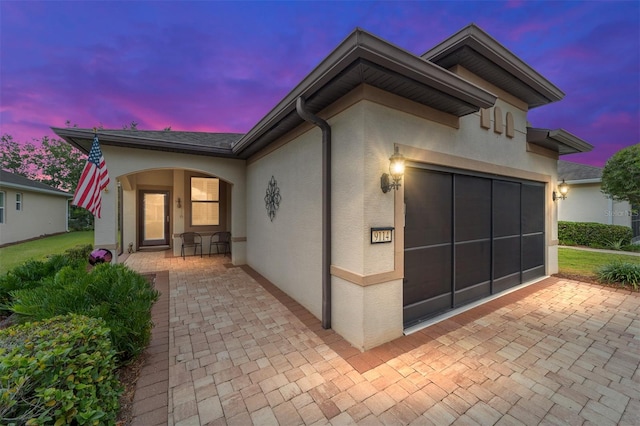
205, 201
1, 207
18, 201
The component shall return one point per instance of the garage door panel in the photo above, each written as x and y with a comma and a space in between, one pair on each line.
428, 212
506, 208
473, 264
532, 208
472, 208
434, 306
506, 259
427, 273
532, 251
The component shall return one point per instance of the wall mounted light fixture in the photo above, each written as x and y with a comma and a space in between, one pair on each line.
179, 203
396, 171
563, 190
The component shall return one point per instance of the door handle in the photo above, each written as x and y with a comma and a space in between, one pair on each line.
167, 218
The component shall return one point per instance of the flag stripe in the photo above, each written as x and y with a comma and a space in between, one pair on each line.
94, 179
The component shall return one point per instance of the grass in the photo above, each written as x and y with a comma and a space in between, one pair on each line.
586, 263
12, 256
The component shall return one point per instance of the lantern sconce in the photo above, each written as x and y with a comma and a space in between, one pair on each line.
179, 203
563, 190
396, 171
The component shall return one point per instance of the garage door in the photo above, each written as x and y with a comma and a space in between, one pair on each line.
467, 237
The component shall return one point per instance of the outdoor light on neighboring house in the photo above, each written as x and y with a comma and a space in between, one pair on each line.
563, 189
396, 171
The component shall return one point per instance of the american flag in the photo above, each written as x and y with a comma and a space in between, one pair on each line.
93, 180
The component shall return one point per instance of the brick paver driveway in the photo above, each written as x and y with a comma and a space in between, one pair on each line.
230, 350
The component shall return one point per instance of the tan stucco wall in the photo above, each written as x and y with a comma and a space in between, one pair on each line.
367, 278
287, 250
41, 214
586, 203
144, 169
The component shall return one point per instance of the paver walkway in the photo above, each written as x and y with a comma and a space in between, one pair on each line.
240, 353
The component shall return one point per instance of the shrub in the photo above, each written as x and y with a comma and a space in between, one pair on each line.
621, 272
59, 371
115, 293
32, 273
593, 234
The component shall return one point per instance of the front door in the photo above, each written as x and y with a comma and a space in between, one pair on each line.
154, 218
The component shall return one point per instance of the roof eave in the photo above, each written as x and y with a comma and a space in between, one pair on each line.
82, 139
33, 189
558, 140
490, 48
363, 45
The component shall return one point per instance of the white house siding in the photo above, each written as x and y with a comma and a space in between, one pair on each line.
41, 214
137, 169
586, 203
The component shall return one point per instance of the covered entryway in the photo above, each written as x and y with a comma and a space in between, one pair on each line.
467, 236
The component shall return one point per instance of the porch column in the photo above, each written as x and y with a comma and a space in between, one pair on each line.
106, 227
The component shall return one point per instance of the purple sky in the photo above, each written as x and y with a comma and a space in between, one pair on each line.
221, 66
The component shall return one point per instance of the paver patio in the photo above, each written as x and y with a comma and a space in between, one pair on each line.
230, 348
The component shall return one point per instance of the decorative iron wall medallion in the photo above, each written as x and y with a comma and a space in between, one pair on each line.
273, 198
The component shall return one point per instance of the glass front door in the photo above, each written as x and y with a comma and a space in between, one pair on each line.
154, 218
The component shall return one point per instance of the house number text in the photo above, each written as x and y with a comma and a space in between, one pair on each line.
381, 235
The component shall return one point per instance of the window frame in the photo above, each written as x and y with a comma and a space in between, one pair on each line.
3, 210
195, 202
19, 201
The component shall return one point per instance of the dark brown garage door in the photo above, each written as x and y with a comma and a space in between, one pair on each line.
467, 237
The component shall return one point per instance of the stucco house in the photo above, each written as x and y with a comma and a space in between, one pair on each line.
587, 203
30, 209
302, 191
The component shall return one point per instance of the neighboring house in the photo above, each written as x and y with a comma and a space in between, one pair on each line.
587, 203
30, 209
301, 191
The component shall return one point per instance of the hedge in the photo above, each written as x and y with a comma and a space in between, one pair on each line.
58, 371
593, 234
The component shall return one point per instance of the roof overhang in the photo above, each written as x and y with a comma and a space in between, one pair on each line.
558, 140
363, 58
477, 51
171, 142
34, 189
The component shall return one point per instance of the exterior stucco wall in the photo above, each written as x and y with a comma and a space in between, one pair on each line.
41, 214
586, 203
287, 250
136, 168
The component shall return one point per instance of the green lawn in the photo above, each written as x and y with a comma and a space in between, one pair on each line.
586, 263
14, 255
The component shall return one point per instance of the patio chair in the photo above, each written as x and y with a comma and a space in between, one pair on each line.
221, 240
191, 239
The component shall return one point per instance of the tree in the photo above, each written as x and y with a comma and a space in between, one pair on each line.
60, 163
621, 175
16, 158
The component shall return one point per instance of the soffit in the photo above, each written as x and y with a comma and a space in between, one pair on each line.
478, 52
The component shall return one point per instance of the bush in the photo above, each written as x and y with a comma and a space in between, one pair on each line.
115, 293
621, 272
591, 234
31, 273
59, 371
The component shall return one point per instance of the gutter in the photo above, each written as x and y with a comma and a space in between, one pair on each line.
326, 207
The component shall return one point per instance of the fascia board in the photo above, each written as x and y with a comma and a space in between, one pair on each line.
570, 140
